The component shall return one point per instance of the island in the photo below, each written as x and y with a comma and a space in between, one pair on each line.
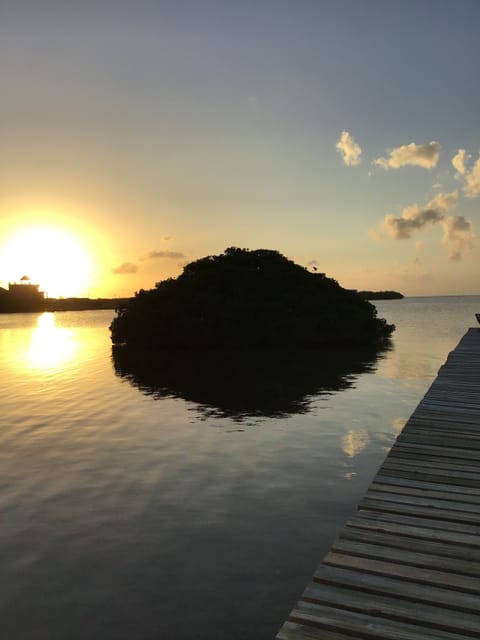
247, 299
381, 295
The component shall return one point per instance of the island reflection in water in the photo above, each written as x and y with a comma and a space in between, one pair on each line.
243, 385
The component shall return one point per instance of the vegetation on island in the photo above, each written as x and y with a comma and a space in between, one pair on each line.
381, 295
247, 299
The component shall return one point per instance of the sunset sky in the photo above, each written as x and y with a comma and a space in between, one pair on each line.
140, 135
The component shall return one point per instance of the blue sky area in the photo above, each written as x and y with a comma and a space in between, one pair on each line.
159, 132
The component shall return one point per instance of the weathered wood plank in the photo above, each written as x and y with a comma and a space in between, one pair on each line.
423, 512
395, 461
431, 577
361, 625
394, 608
437, 476
451, 452
398, 541
408, 531
295, 631
424, 493
384, 478
443, 525
402, 456
412, 592
407, 557
433, 503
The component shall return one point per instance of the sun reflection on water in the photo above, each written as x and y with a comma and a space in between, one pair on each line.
51, 347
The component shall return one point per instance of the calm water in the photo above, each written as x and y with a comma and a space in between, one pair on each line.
195, 499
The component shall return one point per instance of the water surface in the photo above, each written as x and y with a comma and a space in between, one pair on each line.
190, 500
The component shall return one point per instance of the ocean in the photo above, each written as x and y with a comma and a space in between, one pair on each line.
189, 497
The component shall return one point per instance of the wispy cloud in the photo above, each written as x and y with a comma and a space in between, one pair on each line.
349, 149
457, 231
125, 267
468, 176
472, 181
420, 155
457, 236
155, 255
459, 161
415, 217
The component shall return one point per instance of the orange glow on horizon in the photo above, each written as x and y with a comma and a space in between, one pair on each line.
51, 256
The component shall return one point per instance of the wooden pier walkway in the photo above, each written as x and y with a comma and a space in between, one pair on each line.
407, 565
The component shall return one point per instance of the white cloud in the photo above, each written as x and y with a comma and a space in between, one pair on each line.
470, 177
420, 155
414, 218
460, 160
472, 181
444, 200
458, 232
349, 149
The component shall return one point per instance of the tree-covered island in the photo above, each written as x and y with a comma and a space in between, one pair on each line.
381, 295
247, 299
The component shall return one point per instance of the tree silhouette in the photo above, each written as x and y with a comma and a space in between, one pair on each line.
247, 299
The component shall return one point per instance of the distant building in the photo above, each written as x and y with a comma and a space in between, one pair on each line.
25, 296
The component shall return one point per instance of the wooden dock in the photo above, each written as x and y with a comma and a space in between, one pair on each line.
407, 565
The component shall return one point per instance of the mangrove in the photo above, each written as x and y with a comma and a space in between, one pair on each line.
247, 299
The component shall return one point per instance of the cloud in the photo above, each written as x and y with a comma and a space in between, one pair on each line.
155, 255
349, 149
460, 160
469, 177
457, 236
458, 232
125, 267
472, 181
414, 218
420, 155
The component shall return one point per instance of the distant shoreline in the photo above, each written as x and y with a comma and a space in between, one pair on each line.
381, 295
8, 305
60, 304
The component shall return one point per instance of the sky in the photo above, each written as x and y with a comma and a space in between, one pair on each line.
138, 136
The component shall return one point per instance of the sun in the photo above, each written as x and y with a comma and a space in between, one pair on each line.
50, 256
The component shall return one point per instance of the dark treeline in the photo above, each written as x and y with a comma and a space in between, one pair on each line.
84, 304
244, 299
381, 295
34, 304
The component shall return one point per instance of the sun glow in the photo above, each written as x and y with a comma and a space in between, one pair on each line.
50, 256
51, 347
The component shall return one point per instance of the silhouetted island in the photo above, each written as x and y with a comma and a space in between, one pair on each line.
244, 299
381, 295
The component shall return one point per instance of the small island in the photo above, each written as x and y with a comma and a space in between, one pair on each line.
247, 299
381, 295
